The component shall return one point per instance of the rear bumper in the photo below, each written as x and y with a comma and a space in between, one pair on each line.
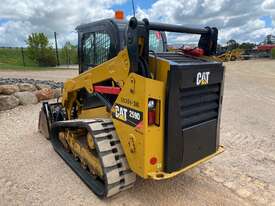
163, 175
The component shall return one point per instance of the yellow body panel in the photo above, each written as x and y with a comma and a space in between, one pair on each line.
99, 112
163, 175
162, 68
147, 140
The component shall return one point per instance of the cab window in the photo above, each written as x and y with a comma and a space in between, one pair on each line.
95, 48
156, 41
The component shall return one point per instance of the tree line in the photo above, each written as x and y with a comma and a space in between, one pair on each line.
233, 44
40, 51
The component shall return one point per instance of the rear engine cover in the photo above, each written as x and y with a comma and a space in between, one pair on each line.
193, 107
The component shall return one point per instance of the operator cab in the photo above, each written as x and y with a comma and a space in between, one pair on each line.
102, 40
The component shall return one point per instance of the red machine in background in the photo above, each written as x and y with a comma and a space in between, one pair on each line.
264, 50
265, 47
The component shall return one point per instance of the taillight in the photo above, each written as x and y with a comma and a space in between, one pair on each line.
151, 112
153, 160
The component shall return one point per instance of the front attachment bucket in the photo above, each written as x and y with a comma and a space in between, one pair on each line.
44, 120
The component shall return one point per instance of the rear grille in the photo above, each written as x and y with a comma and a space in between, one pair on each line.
199, 104
179, 58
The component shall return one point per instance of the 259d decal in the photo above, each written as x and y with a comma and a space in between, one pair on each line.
127, 115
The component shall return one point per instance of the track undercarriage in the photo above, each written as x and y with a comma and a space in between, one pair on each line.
92, 149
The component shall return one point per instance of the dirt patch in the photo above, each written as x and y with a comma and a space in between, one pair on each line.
33, 174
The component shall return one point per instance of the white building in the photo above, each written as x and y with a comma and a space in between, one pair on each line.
270, 39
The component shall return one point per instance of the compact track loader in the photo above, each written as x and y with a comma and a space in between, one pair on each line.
135, 108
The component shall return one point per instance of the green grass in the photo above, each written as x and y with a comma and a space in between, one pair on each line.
13, 56
273, 53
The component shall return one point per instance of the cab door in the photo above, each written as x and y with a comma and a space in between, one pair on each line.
98, 42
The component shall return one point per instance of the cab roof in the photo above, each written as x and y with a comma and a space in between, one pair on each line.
116, 22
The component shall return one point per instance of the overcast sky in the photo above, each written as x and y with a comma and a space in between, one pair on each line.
242, 20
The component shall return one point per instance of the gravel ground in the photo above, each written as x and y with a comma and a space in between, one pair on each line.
33, 174
55, 75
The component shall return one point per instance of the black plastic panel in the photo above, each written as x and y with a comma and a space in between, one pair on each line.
192, 113
199, 104
199, 142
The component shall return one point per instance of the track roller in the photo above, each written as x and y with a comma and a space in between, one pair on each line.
105, 146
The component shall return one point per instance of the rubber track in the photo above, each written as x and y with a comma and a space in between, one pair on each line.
117, 174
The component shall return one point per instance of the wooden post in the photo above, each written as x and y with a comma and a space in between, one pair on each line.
56, 49
23, 57
70, 55
66, 53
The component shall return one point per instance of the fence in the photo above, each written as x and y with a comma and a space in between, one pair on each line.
19, 56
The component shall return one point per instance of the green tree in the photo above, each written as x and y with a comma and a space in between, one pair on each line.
232, 44
273, 53
39, 50
68, 54
247, 46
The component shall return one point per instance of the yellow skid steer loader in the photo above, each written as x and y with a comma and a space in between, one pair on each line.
135, 108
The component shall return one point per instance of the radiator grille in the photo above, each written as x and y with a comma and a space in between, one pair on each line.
179, 58
199, 104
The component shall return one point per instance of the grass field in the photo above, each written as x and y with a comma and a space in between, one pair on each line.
13, 56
